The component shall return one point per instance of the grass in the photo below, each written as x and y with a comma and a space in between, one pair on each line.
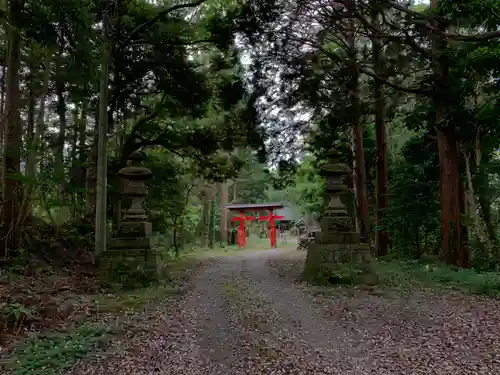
54, 352
414, 273
134, 300
254, 243
230, 289
409, 275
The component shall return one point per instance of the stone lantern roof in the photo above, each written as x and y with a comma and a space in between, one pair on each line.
134, 170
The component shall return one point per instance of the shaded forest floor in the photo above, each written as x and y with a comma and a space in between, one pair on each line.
46, 307
247, 313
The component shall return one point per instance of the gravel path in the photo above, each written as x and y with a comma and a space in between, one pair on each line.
247, 315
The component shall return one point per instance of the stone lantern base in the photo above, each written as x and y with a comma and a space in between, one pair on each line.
129, 259
324, 261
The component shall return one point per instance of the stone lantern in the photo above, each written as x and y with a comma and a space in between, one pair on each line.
134, 177
338, 241
336, 218
129, 254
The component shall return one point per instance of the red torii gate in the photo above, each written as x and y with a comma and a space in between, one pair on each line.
272, 227
242, 235
256, 207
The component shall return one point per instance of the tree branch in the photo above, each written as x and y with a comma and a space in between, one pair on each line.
406, 38
159, 16
408, 11
472, 38
410, 90
174, 43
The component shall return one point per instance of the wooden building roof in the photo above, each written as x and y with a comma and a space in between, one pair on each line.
254, 206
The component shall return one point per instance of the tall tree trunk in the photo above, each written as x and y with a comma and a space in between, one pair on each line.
74, 174
485, 205
471, 206
102, 162
205, 220
357, 128
30, 128
2, 121
482, 193
59, 147
91, 176
356, 215
40, 118
382, 190
13, 132
34, 153
30, 165
464, 255
2, 92
224, 200
82, 135
211, 224
82, 150
453, 250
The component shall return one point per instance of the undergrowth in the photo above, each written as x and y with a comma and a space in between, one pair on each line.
51, 353
409, 275
424, 274
34, 351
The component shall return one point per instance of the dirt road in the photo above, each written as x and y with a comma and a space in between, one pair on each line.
248, 315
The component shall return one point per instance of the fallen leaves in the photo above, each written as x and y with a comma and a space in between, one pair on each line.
247, 315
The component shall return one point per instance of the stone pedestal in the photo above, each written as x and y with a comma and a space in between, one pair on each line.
129, 259
338, 242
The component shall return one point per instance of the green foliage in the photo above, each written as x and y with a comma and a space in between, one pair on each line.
12, 315
303, 189
414, 187
252, 181
412, 274
52, 353
409, 276
307, 191
167, 90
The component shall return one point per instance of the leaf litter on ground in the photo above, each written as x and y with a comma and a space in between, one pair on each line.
248, 314
73, 316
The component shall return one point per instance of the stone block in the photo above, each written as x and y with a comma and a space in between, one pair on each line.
135, 229
333, 224
322, 259
126, 243
130, 268
338, 238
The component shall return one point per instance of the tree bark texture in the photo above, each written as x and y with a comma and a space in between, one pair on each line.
224, 200
206, 219
61, 137
357, 130
102, 162
13, 131
382, 167
453, 250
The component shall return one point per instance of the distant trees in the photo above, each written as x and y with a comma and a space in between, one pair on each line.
357, 64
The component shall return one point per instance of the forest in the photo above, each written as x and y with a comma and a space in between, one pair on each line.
239, 101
